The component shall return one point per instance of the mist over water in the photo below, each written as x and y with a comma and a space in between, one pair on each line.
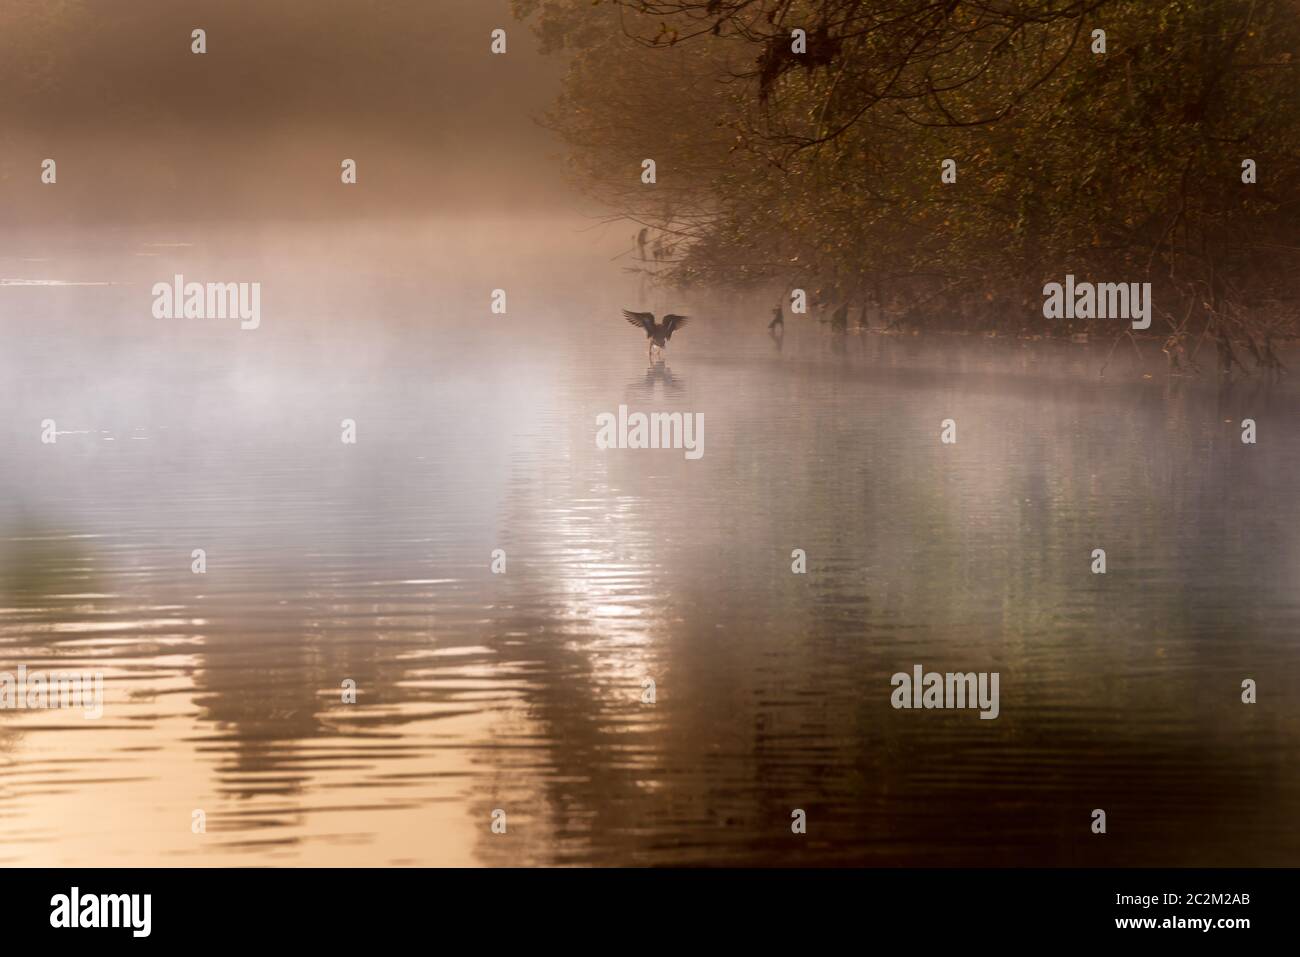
371, 562
522, 691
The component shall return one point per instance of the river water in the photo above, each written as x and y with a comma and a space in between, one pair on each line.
524, 691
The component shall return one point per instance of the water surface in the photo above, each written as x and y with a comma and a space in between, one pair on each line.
523, 691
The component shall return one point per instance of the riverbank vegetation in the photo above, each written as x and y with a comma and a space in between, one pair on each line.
802, 144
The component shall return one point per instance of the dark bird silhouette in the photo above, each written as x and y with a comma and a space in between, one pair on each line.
658, 333
776, 328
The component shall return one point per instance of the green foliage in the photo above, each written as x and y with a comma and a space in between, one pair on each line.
822, 169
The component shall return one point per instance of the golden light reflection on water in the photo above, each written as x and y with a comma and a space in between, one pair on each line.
523, 691
332, 810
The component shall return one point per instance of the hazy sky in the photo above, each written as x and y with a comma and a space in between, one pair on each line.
141, 127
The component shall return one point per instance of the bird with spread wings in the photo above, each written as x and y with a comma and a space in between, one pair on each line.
658, 333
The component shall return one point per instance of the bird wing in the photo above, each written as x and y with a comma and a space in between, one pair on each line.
672, 324
642, 320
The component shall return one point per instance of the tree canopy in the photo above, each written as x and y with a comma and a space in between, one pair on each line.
801, 142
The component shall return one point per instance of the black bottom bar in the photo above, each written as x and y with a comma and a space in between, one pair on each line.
768, 907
